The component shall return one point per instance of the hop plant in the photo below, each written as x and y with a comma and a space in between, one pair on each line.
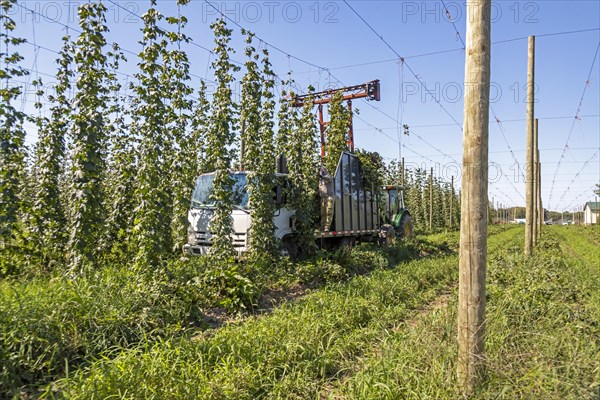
220, 137
89, 133
297, 138
48, 208
197, 146
250, 109
151, 233
337, 132
12, 140
120, 182
175, 79
257, 150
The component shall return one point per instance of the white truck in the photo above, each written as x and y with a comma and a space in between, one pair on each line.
202, 209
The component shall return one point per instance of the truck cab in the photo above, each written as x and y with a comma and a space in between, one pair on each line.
202, 210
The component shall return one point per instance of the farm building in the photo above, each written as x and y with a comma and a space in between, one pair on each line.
591, 209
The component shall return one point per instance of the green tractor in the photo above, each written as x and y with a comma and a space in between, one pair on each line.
395, 213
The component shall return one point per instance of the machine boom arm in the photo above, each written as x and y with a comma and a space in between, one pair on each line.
369, 90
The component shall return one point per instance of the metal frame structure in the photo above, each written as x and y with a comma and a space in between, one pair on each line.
369, 90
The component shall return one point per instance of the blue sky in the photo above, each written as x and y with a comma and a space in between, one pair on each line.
342, 48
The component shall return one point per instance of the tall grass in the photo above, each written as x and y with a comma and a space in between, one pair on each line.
52, 325
383, 336
48, 326
289, 353
292, 353
543, 337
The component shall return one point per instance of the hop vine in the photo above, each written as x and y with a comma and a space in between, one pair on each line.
337, 133
120, 182
262, 239
48, 204
301, 155
12, 136
89, 135
220, 138
152, 224
196, 160
175, 79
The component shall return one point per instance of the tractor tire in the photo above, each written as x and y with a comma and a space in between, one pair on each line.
405, 228
387, 235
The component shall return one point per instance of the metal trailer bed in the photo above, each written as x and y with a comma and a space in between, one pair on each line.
356, 212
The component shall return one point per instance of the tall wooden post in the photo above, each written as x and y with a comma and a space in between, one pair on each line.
431, 200
473, 224
498, 212
451, 198
242, 147
529, 193
498, 208
540, 207
535, 215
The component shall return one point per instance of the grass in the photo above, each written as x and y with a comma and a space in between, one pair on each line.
52, 325
48, 326
370, 332
290, 352
298, 351
543, 337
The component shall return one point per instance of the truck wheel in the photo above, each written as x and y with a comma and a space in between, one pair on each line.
289, 248
387, 235
405, 228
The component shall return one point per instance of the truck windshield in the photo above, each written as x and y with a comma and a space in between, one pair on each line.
203, 191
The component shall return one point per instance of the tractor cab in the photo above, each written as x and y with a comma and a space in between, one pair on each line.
395, 213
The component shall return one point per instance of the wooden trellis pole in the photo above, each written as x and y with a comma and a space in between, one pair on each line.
451, 198
529, 176
535, 215
540, 206
474, 200
402, 173
431, 200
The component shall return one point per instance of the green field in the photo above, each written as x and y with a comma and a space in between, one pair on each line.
366, 333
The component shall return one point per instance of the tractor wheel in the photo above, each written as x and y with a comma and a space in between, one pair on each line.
387, 235
405, 228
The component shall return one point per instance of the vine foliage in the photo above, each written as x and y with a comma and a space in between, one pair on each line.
12, 139
220, 138
337, 132
89, 136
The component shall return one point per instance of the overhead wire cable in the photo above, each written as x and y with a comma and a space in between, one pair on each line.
575, 119
405, 63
